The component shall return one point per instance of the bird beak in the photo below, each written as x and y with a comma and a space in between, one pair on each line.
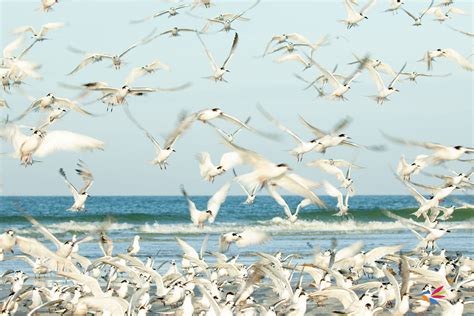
366, 18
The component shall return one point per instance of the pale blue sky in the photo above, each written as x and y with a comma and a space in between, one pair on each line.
435, 109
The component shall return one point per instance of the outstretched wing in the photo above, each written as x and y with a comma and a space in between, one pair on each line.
216, 201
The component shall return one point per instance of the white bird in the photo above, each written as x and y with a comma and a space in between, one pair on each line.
207, 115
292, 217
457, 58
134, 247
172, 11
213, 205
394, 6
331, 166
145, 70
42, 143
405, 170
40, 35
251, 195
230, 137
342, 203
226, 20
413, 75
327, 139
219, 71
7, 240
442, 16
417, 19
384, 92
80, 196
175, 31
302, 146
295, 57
163, 153
47, 102
295, 39
116, 59
353, 17
47, 5
244, 239
339, 89
209, 171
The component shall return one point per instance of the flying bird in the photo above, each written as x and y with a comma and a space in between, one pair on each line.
80, 196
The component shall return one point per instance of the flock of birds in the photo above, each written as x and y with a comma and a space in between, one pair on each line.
349, 280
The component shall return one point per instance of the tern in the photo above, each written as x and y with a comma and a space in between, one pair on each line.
417, 19
331, 166
413, 75
172, 11
342, 203
116, 59
175, 31
42, 143
227, 22
405, 170
163, 153
145, 70
295, 39
80, 196
292, 217
47, 102
219, 72
327, 139
383, 91
209, 171
243, 239
394, 6
229, 137
213, 205
251, 195
40, 35
47, 5
442, 16
353, 17
302, 148
134, 247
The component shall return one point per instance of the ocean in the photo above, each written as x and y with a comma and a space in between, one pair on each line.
159, 219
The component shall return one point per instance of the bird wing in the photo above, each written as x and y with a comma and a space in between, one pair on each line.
279, 199
418, 197
232, 50
24, 29
288, 57
193, 211
205, 164
44, 231
248, 156
67, 141
71, 105
458, 58
145, 40
216, 201
279, 125
318, 132
397, 76
341, 124
188, 250
296, 186
427, 9
86, 176
374, 74
432, 146
134, 74
12, 134
209, 55
332, 191
296, 37
184, 123
409, 14
230, 160
88, 60
86, 280
252, 237
238, 16
329, 76
50, 26
71, 187
12, 46
367, 6
148, 135
380, 252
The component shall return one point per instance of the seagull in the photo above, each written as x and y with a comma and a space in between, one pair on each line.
163, 153
251, 195
353, 17
302, 148
227, 23
213, 205
173, 11
42, 143
295, 57
219, 72
209, 171
176, 30
327, 139
331, 166
394, 6
40, 35
80, 196
292, 217
47, 5
384, 92
342, 203
47, 102
417, 19
440, 153
443, 16
405, 170
116, 59
413, 75
339, 89
243, 239
134, 247
229, 137
145, 70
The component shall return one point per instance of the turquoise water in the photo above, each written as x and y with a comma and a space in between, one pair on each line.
160, 219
